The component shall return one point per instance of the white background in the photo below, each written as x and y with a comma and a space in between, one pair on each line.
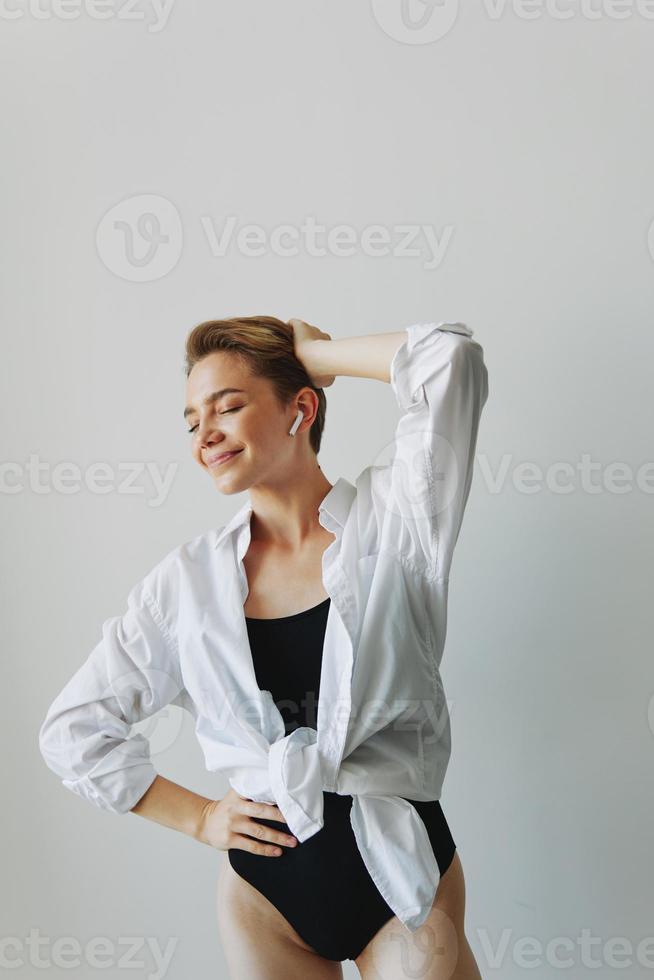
526, 146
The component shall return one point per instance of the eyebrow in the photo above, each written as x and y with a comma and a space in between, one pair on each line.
213, 397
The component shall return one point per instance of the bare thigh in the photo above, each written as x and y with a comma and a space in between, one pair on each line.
438, 950
258, 941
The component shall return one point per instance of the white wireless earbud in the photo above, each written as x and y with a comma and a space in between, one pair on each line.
298, 418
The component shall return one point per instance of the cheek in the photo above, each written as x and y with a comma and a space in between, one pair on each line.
260, 431
273, 435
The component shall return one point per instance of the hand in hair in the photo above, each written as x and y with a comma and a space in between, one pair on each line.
308, 340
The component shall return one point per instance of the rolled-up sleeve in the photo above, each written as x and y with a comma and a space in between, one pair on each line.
440, 382
130, 674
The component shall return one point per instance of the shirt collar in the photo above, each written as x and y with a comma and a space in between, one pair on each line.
336, 504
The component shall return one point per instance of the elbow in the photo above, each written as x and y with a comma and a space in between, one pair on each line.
57, 744
468, 368
49, 741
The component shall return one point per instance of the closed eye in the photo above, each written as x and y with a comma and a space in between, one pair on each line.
226, 412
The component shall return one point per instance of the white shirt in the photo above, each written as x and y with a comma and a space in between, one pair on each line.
383, 728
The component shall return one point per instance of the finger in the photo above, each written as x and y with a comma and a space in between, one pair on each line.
263, 832
243, 843
268, 811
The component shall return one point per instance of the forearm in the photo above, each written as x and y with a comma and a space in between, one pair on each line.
368, 356
173, 806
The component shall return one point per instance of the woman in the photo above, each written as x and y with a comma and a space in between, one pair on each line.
305, 638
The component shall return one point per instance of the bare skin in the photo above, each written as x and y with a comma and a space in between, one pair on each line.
438, 950
266, 565
259, 943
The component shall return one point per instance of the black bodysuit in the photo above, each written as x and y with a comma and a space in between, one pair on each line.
321, 885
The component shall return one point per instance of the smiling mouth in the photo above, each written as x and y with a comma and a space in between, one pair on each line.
225, 458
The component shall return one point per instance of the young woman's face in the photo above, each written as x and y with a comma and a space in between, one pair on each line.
247, 421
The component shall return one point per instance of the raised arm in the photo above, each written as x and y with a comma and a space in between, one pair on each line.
367, 356
440, 383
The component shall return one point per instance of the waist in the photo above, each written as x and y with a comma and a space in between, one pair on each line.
337, 806
345, 800
341, 804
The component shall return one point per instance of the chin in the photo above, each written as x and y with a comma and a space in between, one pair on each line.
229, 484
227, 491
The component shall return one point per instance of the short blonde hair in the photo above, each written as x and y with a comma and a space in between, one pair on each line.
266, 345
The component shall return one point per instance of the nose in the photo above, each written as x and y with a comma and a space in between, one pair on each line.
209, 438
207, 434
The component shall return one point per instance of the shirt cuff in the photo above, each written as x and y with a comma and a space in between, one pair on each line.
115, 784
404, 376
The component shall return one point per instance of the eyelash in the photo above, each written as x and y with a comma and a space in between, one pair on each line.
226, 412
